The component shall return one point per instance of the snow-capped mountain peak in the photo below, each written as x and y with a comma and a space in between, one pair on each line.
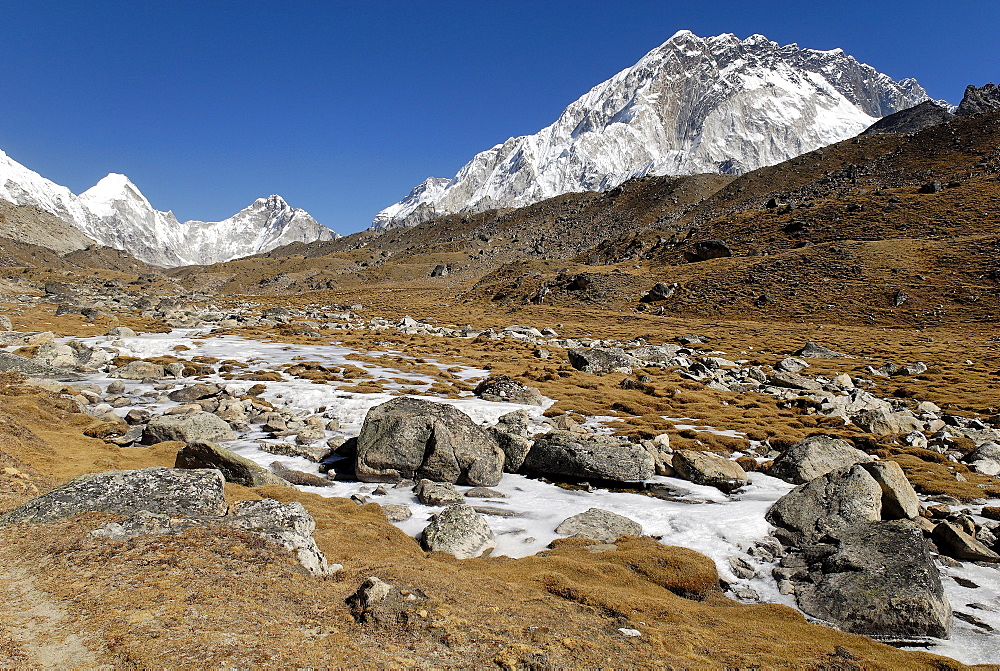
691, 105
115, 213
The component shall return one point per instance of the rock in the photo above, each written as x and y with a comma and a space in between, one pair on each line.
5, 323
979, 100
188, 428
912, 369
880, 581
505, 389
511, 434
412, 438
878, 421
120, 332
843, 497
484, 493
600, 525
19, 364
931, 187
300, 478
167, 491
989, 450
440, 270
29, 339
234, 468
911, 120
589, 456
116, 387
815, 456
459, 530
956, 543
791, 365
601, 360
814, 351
363, 602
314, 453
286, 524
794, 381
899, 501
437, 493
705, 468
395, 512
660, 292
139, 370
741, 568
195, 392
711, 249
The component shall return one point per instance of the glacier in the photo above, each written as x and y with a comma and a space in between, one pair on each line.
692, 105
114, 213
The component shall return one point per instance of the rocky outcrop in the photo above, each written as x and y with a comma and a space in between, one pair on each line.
911, 120
589, 456
979, 100
459, 530
412, 438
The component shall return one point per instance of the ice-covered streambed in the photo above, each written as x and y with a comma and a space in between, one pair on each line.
524, 520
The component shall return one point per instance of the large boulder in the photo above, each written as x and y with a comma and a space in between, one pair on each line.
601, 525
954, 542
899, 500
167, 491
188, 428
16, 363
412, 438
880, 580
589, 456
508, 390
601, 360
139, 370
234, 468
840, 498
286, 524
814, 456
460, 530
705, 468
195, 392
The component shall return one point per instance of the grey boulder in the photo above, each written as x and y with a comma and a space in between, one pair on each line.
705, 468
166, 491
139, 370
508, 390
16, 363
459, 530
581, 455
839, 498
601, 360
814, 456
511, 434
601, 525
413, 439
188, 428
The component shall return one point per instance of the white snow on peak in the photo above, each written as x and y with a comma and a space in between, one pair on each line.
116, 214
691, 105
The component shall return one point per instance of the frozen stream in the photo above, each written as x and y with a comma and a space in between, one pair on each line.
524, 520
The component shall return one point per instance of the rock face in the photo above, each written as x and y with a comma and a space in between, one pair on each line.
705, 468
692, 105
880, 580
911, 120
589, 456
234, 468
166, 491
413, 439
979, 100
814, 456
199, 426
601, 525
459, 530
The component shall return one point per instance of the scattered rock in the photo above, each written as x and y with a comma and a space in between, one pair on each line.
814, 351
600, 525
791, 365
139, 370
412, 438
188, 428
314, 453
589, 456
194, 392
459, 530
396, 512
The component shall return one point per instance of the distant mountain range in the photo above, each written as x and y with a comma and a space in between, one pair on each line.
692, 105
114, 213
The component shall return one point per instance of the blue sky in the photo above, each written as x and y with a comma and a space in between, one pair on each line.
342, 107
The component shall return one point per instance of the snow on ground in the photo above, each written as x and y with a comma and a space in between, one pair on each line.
525, 518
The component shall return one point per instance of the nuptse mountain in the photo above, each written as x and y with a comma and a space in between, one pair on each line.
114, 213
692, 105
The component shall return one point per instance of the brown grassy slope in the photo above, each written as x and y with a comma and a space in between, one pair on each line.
211, 599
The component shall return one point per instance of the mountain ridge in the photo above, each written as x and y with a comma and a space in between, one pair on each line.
717, 104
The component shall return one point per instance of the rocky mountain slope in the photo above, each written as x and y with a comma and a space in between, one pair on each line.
692, 105
114, 213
